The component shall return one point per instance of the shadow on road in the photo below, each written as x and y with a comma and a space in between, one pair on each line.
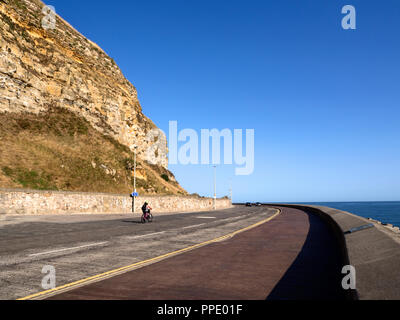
133, 221
316, 272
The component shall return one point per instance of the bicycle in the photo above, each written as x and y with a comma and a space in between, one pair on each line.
148, 219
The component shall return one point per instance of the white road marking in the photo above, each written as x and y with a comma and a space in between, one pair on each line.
233, 218
147, 235
196, 225
66, 249
206, 218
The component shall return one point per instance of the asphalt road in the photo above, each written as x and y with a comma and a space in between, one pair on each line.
82, 246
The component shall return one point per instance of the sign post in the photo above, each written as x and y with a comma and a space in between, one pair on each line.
134, 195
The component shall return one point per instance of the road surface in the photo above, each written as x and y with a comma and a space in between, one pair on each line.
292, 256
80, 246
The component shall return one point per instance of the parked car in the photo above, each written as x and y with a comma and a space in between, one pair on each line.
248, 204
258, 204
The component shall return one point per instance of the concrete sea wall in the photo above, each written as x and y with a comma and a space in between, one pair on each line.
34, 202
372, 248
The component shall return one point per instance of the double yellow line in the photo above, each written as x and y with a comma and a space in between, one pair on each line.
131, 267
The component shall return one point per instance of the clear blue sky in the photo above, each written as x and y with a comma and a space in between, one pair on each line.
324, 102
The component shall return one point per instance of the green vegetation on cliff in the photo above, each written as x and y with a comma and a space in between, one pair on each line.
59, 150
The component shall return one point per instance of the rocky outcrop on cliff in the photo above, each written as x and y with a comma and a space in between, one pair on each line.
69, 119
59, 67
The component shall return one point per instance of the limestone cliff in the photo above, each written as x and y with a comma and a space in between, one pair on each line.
68, 117
41, 68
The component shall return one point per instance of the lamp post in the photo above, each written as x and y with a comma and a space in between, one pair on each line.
134, 178
215, 187
230, 189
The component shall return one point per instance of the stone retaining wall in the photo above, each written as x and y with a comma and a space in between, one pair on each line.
33, 202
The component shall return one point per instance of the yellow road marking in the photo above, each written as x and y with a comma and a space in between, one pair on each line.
108, 274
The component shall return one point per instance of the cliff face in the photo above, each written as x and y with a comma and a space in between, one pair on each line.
60, 68
68, 117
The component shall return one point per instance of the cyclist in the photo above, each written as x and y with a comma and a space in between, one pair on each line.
146, 210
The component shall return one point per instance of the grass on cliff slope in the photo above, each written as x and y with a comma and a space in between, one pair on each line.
58, 150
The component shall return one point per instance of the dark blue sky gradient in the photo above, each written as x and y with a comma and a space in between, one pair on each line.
324, 102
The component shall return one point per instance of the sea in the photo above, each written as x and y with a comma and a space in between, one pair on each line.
386, 212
